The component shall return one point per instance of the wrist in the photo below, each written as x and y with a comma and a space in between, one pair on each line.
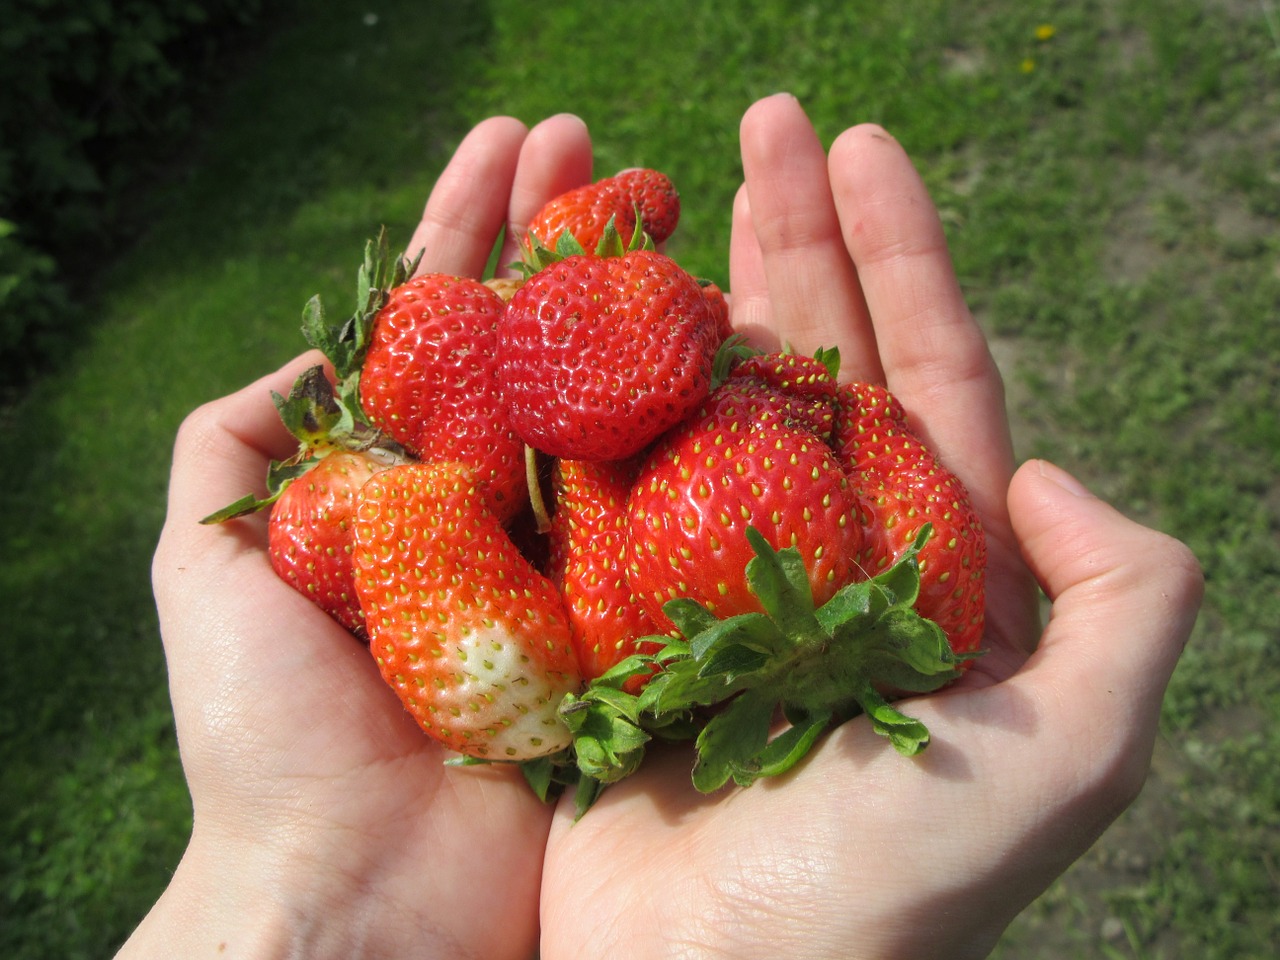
259, 902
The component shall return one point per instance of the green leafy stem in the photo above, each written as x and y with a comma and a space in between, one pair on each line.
757, 690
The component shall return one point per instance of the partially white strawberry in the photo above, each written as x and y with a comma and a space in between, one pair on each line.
473, 640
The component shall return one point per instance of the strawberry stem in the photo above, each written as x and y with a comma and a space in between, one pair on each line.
541, 517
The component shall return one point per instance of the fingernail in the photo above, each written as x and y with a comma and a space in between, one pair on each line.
1058, 476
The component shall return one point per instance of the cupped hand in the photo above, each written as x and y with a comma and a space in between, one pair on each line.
860, 852
325, 821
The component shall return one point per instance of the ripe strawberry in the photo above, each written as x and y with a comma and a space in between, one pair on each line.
598, 356
429, 380
719, 307
472, 638
655, 195
310, 538
872, 425
727, 469
802, 389
904, 486
588, 563
585, 211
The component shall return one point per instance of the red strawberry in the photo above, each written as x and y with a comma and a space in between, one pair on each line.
429, 380
801, 388
585, 211
719, 307
601, 355
588, 563
310, 538
724, 471
655, 195
472, 638
872, 424
903, 486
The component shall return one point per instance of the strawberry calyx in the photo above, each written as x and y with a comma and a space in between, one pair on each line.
538, 256
724, 681
313, 413
322, 415
345, 344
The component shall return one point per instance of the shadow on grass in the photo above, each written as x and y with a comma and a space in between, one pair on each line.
294, 162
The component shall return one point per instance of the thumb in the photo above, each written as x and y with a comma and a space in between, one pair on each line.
1125, 598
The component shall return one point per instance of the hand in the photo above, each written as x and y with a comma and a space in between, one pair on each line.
860, 852
325, 823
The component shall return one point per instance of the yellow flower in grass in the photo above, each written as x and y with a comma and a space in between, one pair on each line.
1045, 32
1027, 65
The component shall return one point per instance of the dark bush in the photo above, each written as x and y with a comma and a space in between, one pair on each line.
92, 88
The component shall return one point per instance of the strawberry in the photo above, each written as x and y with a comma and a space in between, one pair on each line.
588, 563
719, 307
903, 486
872, 425
598, 356
654, 195
309, 535
732, 467
429, 380
585, 211
802, 389
473, 640
312, 495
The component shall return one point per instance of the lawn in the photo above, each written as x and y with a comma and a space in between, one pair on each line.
1109, 173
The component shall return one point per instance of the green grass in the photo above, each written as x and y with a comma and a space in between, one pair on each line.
1112, 198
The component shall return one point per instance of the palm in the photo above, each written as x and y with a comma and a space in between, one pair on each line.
859, 265
332, 745
292, 744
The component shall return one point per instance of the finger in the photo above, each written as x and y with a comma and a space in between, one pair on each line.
814, 291
751, 313
467, 209
934, 355
554, 158
1125, 599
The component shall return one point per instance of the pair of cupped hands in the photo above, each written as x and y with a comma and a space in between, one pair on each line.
327, 825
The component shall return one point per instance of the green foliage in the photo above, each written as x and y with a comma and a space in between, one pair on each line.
87, 84
34, 306
1107, 191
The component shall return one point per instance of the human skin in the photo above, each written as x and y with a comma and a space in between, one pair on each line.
325, 821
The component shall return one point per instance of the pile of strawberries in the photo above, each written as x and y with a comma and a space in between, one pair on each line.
572, 513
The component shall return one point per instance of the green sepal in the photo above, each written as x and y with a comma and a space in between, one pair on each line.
725, 682
608, 745
567, 245
540, 774
829, 357
781, 584
732, 351
537, 256
730, 745
345, 344
792, 745
587, 793
321, 423
279, 475
907, 735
